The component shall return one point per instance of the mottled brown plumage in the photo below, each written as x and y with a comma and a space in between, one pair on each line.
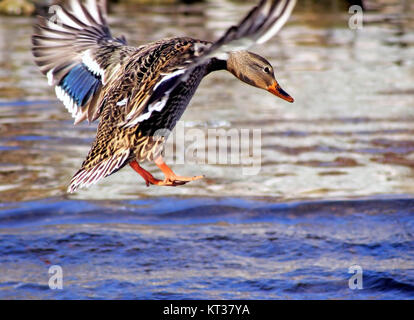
140, 93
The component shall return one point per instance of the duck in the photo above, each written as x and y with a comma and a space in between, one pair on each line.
138, 93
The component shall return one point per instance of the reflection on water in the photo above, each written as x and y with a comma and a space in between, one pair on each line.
348, 135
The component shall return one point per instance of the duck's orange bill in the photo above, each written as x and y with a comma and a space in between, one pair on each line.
278, 91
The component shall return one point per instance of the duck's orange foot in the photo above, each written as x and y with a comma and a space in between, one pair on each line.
171, 179
174, 181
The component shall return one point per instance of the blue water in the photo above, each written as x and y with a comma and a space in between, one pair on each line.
207, 248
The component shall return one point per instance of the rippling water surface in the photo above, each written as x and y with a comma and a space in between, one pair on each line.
335, 185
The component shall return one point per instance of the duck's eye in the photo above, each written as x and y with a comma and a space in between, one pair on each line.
266, 70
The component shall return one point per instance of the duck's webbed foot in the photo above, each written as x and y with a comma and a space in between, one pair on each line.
174, 181
171, 179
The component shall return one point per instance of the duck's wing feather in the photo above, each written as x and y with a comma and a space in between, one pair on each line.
258, 26
76, 51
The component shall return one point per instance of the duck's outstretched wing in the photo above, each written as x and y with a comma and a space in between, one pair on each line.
75, 50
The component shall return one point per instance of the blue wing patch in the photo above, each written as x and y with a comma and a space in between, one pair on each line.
80, 84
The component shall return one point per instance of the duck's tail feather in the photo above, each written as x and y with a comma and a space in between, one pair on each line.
86, 177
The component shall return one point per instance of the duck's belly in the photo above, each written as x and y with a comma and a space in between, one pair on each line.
160, 124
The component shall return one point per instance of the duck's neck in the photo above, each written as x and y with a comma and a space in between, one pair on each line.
216, 65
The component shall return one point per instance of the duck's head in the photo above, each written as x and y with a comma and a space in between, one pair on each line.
256, 71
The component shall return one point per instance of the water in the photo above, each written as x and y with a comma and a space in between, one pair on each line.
334, 187
208, 248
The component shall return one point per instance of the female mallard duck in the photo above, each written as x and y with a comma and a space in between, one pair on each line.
136, 91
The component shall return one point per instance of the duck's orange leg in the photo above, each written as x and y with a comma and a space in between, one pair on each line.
149, 179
